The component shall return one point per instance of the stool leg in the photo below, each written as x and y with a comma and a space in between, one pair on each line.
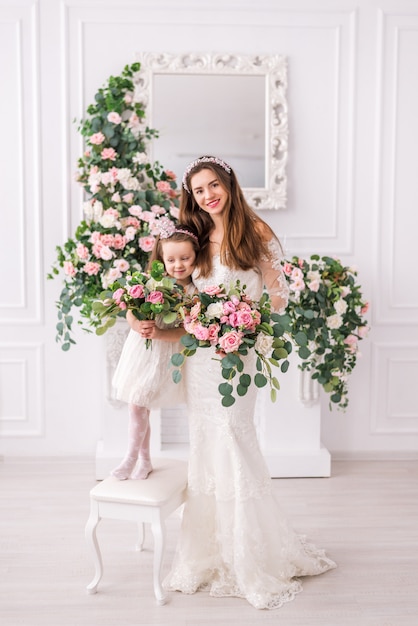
158, 531
141, 537
91, 539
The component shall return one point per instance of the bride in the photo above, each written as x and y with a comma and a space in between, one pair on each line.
234, 540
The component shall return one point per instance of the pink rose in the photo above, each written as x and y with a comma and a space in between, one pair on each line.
201, 332
136, 291
213, 332
108, 153
314, 285
362, 331
107, 240
296, 274
297, 285
119, 241
114, 117
300, 262
228, 307
131, 221
122, 306
212, 290
175, 212
116, 197
97, 139
82, 251
121, 264
163, 186
351, 342
195, 310
287, 268
146, 243
170, 174
245, 319
92, 268
364, 309
155, 297
147, 216
106, 253
117, 295
69, 269
135, 210
231, 341
158, 210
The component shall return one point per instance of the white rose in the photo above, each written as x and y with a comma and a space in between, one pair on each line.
334, 321
264, 344
108, 220
97, 210
214, 310
88, 211
340, 306
314, 275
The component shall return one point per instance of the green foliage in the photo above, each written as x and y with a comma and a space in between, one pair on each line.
126, 198
326, 312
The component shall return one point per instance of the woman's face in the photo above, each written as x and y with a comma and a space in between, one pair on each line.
208, 192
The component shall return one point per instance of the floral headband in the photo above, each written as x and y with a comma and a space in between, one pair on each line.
204, 159
168, 229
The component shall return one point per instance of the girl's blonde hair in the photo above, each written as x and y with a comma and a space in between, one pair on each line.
246, 235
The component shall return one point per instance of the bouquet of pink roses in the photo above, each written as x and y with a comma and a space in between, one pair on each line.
234, 324
146, 295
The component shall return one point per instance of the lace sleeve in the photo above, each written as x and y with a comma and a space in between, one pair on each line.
274, 278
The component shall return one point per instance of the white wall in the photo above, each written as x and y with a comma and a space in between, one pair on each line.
352, 172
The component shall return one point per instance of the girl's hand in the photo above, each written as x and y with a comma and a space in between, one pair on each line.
146, 328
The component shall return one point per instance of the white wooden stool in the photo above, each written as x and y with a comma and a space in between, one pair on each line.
141, 501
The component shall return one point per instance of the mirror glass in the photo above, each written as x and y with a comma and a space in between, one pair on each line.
212, 115
227, 105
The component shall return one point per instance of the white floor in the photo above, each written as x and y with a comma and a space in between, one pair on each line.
365, 516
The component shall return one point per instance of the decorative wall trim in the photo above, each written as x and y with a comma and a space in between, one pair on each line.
28, 387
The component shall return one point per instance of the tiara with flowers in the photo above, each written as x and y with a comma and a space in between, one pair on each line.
168, 229
204, 159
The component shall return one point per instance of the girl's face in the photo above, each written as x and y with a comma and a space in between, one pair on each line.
179, 260
208, 192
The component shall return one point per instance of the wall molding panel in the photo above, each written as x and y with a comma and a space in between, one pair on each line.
397, 180
22, 286
394, 401
22, 390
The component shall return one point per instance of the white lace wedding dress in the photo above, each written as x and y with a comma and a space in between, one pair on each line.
234, 539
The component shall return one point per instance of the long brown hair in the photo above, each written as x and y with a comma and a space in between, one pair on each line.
246, 235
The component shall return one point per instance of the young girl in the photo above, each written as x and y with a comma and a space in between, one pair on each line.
143, 377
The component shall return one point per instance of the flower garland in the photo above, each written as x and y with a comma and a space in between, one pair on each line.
128, 201
326, 311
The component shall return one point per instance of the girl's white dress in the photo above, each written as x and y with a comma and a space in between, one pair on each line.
234, 539
143, 375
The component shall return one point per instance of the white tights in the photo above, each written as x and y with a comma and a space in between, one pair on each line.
136, 463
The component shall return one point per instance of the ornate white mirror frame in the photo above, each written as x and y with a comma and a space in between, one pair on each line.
274, 70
